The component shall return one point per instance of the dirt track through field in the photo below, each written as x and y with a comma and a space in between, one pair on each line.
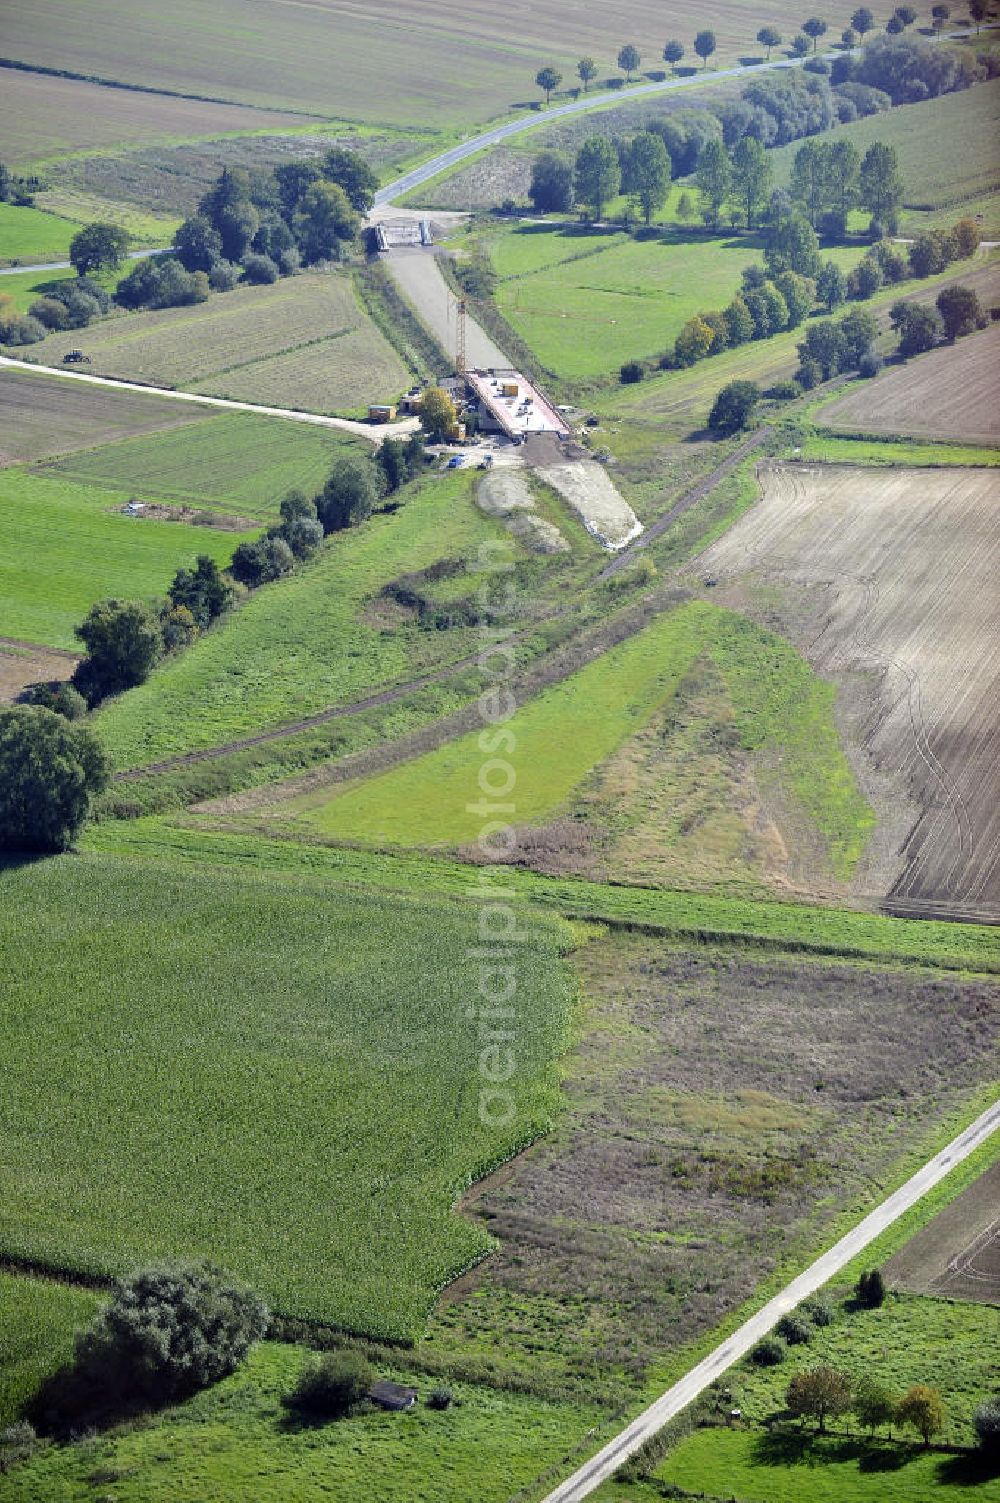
402, 691
895, 578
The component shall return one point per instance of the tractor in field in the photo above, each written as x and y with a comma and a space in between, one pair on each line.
76, 357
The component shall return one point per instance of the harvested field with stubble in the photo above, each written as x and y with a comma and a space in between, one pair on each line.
41, 117
957, 1255
886, 581
948, 393
43, 416
303, 342
721, 1110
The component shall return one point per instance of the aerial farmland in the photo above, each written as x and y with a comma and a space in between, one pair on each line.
499, 704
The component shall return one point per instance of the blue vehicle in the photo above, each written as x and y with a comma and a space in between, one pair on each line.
454, 461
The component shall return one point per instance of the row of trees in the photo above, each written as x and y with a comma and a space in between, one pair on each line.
824, 1393
801, 44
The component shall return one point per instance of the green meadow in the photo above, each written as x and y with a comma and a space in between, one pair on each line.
585, 314
268, 1072
558, 738
37, 1320
231, 462
33, 235
313, 624
234, 1442
63, 546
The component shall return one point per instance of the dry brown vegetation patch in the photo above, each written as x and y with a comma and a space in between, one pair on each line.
721, 1109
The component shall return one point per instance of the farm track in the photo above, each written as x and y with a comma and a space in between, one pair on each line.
733, 1348
697, 493
55, 652
347, 425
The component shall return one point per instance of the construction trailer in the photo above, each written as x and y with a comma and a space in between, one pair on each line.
381, 412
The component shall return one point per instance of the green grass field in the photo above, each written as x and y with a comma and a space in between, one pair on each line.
302, 342
232, 1443
584, 314
949, 156
31, 235
569, 729
25, 286
260, 1070
833, 449
37, 1320
231, 462
63, 546
313, 624
794, 926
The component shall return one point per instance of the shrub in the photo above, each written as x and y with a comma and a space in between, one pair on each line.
784, 391
20, 328
178, 627
809, 373
769, 1352
260, 270
49, 771
169, 1331
347, 497
204, 590
870, 363
61, 699
17, 1443
733, 407
795, 1329
440, 1398
123, 642
818, 1310
865, 279
50, 311
261, 562
302, 534
631, 372
870, 1289
223, 276
960, 310
330, 1386
922, 1409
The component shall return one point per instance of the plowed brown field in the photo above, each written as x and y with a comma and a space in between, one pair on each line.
958, 1253
887, 582
948, 393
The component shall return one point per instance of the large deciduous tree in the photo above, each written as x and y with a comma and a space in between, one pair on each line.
548, 80
629, 60
814, 28
881, 185
551, 189
123, 643
751, 176
324, 221
98, 247
49, 771
769, 36
586, 70
597, 175
714, 178
820, 1393
648, 172
704, 46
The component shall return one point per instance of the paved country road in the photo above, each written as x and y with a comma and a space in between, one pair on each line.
422, 174
12, 271
374, 435
607, 1461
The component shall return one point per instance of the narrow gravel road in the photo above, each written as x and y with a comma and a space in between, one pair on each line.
607, 1461
374, 435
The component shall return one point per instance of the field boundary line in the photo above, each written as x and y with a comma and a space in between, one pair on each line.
682, 1393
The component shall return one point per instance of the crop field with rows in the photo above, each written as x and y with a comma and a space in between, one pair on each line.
302, 342
291, 1091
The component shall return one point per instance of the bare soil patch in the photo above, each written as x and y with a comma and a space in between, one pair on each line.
21, 664
886, 582
40, 418
601, 507
506, 494
719, 1110
949, 393
191, 516
956, 1255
